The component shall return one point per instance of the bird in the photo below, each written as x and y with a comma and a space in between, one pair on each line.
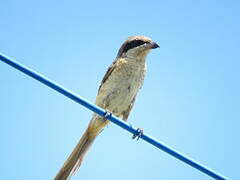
116, 94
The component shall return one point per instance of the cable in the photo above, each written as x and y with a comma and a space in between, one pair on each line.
110, 117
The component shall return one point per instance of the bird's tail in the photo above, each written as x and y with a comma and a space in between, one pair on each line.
74, 160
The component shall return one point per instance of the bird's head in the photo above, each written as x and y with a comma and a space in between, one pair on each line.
136, 47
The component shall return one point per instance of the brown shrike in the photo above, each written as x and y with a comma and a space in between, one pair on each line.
116, 94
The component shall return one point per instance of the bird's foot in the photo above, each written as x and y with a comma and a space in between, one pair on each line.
138, 134
107, 115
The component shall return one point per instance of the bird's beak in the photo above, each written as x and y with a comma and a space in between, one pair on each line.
154, 45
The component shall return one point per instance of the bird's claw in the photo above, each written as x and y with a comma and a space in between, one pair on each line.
138, 134
107, 115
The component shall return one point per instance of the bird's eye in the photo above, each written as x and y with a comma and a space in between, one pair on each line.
133, 44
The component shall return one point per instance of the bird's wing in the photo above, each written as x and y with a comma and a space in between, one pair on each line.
108, 73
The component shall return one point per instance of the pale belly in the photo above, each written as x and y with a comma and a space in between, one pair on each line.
119, 90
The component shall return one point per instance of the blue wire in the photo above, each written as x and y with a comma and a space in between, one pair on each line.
111, 117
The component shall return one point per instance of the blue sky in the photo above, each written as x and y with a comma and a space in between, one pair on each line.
190, 98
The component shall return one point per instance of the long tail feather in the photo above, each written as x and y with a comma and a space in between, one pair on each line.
73, 162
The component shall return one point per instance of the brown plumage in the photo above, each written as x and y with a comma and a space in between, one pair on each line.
117, 94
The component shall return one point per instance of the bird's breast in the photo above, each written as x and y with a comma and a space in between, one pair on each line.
118, 91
